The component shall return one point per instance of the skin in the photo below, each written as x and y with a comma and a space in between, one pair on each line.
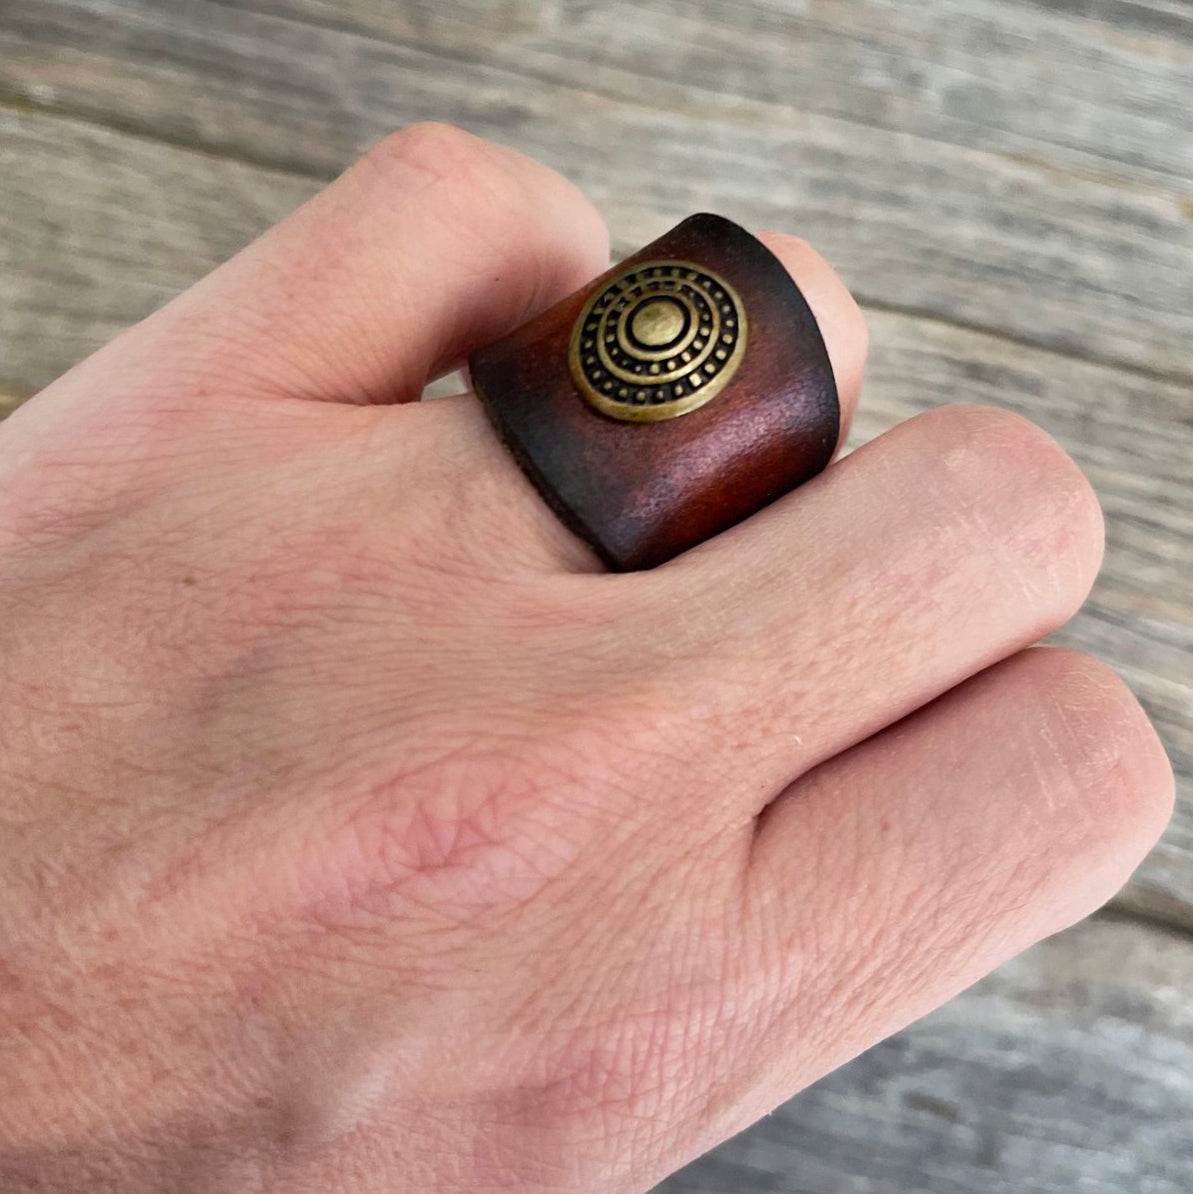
358, 833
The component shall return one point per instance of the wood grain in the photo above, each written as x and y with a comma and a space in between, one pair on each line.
1009, 188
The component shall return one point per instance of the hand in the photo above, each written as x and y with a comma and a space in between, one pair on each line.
360, 834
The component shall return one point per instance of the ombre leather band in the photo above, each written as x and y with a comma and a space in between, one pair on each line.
677, 394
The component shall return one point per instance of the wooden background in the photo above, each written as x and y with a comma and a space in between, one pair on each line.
1007, 186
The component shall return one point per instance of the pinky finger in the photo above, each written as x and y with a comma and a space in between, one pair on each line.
900, 872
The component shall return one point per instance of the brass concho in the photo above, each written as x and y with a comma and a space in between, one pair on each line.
661, 339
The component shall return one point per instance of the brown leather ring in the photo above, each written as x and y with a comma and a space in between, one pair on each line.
680, 392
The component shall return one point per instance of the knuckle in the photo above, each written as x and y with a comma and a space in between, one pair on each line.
1022, 492
1100, 739
544, 232
446, 154
445, 173
986, 443
429, 143
438, 154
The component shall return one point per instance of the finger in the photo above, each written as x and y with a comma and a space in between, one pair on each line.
902, 871
840, 319
500, 507
932, 552
434, 243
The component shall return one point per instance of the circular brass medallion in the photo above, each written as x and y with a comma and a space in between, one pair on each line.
659, 340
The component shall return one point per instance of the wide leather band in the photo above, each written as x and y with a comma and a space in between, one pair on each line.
680, 392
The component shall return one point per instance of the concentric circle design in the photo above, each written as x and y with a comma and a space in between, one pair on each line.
661, 339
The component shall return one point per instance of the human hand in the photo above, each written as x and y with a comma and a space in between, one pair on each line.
358, 833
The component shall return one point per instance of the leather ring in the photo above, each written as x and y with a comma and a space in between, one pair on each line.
677, 394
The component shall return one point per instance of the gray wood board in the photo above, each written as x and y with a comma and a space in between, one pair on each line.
1090, 262
1070, 1069
980, 73
968, 72
97, 229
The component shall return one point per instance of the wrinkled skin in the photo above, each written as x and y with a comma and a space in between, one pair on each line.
359, 833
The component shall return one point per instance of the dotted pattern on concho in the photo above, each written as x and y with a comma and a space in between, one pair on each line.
701, 326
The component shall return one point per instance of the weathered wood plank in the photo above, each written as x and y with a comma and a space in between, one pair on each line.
969, 72
1081, 261
1069, 1069
103, 227
98, 229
